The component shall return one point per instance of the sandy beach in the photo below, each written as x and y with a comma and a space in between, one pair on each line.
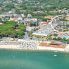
17, 47
30, 45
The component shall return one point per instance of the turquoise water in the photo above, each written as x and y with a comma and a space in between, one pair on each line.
33, 60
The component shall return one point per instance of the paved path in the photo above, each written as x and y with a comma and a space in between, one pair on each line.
26, 36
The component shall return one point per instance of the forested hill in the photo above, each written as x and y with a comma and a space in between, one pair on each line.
34, 4
47, 3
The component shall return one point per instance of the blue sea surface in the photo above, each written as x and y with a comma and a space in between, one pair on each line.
10, 59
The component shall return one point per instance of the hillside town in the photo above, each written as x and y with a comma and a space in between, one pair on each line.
32, 30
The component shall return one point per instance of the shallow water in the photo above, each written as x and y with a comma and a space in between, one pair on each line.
33, 60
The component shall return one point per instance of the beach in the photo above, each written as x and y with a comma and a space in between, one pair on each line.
30, 45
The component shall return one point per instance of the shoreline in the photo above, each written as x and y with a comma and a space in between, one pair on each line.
31, 45
50, 49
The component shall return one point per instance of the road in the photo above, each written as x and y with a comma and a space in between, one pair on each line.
26, 36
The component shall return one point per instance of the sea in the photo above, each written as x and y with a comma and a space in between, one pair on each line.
15, 59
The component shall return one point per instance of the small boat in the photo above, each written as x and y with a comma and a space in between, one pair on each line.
55, 55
